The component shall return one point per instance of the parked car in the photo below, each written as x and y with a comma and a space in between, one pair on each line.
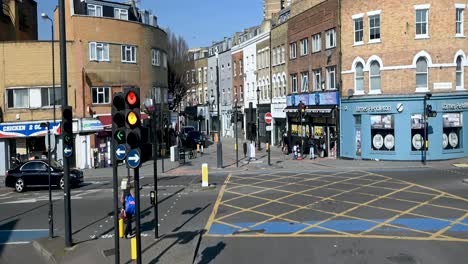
193, 138
35, 173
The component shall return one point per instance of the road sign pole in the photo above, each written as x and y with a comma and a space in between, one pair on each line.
155, 176
115, 179
136, 173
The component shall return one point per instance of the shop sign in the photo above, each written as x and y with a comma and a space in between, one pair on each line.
373, 109
14, 130
90, 125
290, 100
460, 106
327, 98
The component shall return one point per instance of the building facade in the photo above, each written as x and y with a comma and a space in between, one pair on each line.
18, 20
263, 87
313, 76
396, 59
237, 56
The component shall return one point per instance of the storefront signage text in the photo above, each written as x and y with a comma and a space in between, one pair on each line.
24, 130
460, 106
374, 109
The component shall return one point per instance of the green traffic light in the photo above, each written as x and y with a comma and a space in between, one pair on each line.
119, 136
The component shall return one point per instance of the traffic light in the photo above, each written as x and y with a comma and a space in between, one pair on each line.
133, 126
430, 112
118, 125
67, 126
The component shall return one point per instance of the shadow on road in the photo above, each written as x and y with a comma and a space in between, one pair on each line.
5, 233
210, 253
194, 213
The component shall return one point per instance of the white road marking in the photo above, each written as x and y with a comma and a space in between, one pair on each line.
16, 243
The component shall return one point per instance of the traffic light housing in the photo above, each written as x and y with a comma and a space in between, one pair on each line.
67, 130
118, 123
430, 112
133, 121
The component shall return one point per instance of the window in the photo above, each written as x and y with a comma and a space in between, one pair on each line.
375, 77
194, 76
459, 70
382, 133
200, 80
421, 74
359, 78
331, 78
358, 31
241, 93
155, 57
331, 38
47, 96
316, 43
292, 50
205, 74
274, 57
422, 23
240, 67
284, 85
275, 87
293, 83
317, 80
98, 51
94, 10
283, 54
374, 28
459, 22
304, 46
101, 95
128, 54
18, 98
452, 130
188, 77
34, 165
121, 13
164, 59
305, 81
234, 66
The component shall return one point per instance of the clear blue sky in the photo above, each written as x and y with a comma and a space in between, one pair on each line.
199, 22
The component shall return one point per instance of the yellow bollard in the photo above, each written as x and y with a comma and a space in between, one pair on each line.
267, 146
121, 228
235, 147
133, 248
205, 175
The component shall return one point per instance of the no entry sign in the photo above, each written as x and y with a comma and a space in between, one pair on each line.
268, 118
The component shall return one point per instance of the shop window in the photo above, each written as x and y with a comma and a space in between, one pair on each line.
382, 133
417, 132
452, 130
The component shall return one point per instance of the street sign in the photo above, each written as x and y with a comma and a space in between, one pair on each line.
269, 128
67, 151
120, 152
133, 158
268, 118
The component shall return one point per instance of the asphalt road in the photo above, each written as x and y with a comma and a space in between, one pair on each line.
266, 216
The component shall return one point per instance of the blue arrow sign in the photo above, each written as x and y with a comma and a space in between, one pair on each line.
67, 151
133, 158
120, 152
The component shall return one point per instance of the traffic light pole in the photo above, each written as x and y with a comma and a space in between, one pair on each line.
137, 214
155, 177
219, 146
115, 179
66, 161
425, 130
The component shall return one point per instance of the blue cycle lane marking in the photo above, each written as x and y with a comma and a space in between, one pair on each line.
27, 235
278, 227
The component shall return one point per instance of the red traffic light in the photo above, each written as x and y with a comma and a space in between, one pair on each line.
132, 98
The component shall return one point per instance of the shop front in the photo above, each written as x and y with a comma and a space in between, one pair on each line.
317, 123
250, 119
279, 122
393, 128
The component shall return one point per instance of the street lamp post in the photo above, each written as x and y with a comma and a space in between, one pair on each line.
46, 17
219, 146
258, 118
237, 143
51, 208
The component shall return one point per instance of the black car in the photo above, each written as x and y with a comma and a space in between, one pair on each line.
35, 173
193, 138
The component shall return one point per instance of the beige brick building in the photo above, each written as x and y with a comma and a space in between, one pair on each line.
18, 20
396, 58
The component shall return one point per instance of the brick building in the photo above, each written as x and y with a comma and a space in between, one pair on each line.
313, 69
238, 84
18, 20
397, 57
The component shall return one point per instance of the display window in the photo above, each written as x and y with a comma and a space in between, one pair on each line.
452, 130
382, 133
417, 132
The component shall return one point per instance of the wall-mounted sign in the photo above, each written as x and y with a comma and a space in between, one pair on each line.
15, 130
91, 125
417, 141
326, 98
460, 106
377, 141
400, 107
373, 109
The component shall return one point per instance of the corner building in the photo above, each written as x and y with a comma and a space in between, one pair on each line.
396, 56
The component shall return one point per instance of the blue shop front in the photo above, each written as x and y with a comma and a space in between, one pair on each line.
392, 127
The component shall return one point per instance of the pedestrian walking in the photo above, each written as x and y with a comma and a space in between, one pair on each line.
311, 147
295, 151
128, 206
245, 149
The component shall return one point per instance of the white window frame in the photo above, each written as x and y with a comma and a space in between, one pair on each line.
373, 90
205, 74
133, 53
283, 54
460, 72
317, 79
101, 91
373, 15
293, 50
155, 57
97, 9
293, 83
274, 57
98, 47
331, 75
356, 30
234, 69
317, 42
304, 46
164, 59
426, 22
330, 38
200, 80
27, 100
304, 81
422, 89
120, 13
356, 90
459, 22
